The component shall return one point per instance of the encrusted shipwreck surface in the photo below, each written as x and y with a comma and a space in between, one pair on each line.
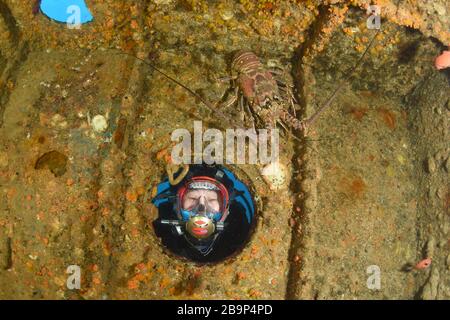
368, 186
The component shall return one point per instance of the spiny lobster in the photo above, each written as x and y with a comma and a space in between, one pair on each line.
260, 94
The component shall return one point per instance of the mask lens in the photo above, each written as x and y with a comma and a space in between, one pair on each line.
202, 202
186, 215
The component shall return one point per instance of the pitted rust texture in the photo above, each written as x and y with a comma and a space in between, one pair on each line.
313, 239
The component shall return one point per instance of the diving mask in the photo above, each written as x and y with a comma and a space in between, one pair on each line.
203, 207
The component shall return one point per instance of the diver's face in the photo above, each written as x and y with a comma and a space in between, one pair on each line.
204, 199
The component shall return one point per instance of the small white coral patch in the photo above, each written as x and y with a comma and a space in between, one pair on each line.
275, 174
99, 123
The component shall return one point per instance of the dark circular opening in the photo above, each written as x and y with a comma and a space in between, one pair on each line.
228, 242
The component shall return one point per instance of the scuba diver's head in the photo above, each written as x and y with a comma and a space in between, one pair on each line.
209, 208
202, 203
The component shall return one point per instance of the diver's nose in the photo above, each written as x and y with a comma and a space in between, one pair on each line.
202, 205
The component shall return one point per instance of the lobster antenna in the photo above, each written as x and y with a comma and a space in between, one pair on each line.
327, 104
357, 64
192, 92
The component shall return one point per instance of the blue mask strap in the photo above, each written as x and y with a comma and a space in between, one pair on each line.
185, 214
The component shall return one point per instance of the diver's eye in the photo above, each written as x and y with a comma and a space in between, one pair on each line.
213, 201
190, 202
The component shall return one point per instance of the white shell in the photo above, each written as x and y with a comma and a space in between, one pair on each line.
275, 174
227, 15
99, 123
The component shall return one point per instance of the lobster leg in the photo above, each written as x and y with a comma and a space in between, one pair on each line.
251, 114
283, 125
231, 100
226, 79
285, 87
292, 101
277, 70
287, 90
241, 105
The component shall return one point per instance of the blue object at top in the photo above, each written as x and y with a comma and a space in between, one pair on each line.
66, 10
241, 194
